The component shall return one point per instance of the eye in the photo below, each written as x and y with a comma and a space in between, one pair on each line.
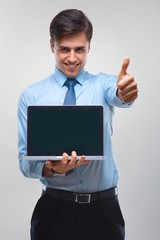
64, 49
80, 49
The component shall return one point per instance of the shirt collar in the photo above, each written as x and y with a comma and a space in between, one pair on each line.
60, 77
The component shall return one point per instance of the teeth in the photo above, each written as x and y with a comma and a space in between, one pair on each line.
72, 66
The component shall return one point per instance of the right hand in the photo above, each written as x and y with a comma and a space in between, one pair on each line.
127, 89
64, 165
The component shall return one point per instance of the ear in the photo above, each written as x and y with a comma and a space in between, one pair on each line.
52, 45
88, 47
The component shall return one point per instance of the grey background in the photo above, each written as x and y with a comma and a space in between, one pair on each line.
121, 28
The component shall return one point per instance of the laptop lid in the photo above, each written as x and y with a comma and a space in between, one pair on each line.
53, 130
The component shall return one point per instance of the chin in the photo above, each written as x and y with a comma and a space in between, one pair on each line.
72, 74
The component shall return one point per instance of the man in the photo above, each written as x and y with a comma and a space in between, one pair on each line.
79, 199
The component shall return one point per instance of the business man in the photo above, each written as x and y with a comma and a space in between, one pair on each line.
79, 199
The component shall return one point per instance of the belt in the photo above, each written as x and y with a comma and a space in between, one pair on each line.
81, 197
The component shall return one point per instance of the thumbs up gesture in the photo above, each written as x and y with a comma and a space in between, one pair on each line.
127, 89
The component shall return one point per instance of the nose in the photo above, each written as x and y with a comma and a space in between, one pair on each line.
72, 56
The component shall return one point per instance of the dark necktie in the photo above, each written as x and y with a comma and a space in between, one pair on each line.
70, 98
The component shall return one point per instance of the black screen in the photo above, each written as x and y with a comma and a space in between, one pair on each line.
53, 130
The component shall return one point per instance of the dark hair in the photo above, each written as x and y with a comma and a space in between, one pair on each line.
70, 21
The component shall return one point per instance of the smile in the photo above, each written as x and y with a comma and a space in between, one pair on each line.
71, 66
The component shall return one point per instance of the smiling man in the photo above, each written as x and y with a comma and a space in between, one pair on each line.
79, 198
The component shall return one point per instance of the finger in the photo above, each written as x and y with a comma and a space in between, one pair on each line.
124, 67
48, 164
129, 87
73, 159
65, 158
82, 160
130, 96
126, 81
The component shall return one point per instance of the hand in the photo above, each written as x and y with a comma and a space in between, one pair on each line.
65, 164
127, 87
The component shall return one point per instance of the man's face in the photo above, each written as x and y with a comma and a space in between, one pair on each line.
71, 53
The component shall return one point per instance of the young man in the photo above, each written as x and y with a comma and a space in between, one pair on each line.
79, 199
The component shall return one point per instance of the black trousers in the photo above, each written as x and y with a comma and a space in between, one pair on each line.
57, 219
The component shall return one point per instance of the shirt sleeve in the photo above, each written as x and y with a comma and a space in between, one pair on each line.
31, 169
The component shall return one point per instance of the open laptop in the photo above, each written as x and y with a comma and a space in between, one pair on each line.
53, 130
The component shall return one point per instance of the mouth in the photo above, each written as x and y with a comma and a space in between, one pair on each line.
71, 66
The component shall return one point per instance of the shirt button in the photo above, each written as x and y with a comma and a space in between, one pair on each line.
80, 181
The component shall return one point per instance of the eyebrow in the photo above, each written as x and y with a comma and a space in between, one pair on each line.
83, 47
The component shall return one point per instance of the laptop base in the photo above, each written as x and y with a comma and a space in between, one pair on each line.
56, 158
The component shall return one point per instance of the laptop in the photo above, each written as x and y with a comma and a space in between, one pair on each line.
53, 130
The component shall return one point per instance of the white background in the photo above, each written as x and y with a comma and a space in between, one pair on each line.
121, 28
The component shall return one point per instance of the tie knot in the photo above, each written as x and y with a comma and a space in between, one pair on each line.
70, 82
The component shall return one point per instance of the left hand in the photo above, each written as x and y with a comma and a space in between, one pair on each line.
64, 165
127, 89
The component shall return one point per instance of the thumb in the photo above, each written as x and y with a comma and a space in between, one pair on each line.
123, 71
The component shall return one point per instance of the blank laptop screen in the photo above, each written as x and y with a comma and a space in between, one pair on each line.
53, 130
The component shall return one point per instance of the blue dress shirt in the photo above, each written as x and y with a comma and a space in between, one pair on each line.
92, 90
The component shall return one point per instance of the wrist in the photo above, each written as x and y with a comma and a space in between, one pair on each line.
50, 172
54, 174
